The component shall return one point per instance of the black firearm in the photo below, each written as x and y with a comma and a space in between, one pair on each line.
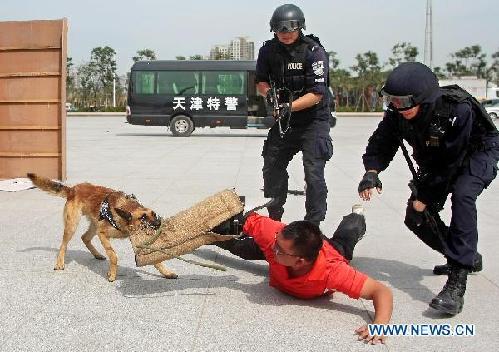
414, 184
281, 111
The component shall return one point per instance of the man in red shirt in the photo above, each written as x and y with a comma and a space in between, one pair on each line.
306, 264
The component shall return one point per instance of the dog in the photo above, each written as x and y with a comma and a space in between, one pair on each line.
112, 214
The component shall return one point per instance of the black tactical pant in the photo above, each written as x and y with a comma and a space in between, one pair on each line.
315, 143
458, 241
346, 236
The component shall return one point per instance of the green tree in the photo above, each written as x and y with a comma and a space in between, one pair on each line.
104, 62
369, 80
469, 61
334, 62
402, 52
492, 72
367, 63
439, 72
89, 85
144, 54
69, 66
70, 79
180, 57
196, 57
342, 83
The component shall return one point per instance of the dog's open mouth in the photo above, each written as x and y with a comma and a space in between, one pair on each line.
154, 224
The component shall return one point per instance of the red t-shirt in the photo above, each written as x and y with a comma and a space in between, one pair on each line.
331, 271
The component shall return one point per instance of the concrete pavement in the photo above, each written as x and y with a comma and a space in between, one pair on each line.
206, 310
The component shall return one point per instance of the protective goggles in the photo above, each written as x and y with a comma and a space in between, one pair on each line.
286, 26
401, 103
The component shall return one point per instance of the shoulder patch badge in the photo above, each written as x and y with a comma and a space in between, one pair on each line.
318, 67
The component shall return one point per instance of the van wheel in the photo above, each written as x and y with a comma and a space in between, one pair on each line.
181, 126
493, 115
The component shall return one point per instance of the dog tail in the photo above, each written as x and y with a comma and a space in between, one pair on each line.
49, 186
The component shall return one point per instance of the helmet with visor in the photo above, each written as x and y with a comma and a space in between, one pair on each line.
287, 18
408, 85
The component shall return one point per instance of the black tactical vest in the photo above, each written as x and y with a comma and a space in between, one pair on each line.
288, 66
287, 70
288, 63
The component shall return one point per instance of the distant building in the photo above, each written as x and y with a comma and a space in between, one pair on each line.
219, 52
239, 48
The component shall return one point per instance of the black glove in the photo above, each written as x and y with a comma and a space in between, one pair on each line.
370, 180
413, 218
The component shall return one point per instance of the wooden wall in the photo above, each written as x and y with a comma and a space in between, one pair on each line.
32, 98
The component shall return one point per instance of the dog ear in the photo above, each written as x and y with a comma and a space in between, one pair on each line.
124, 214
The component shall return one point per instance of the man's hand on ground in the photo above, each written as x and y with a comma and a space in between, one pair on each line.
363, 333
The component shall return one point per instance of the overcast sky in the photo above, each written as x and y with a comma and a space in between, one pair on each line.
188, 27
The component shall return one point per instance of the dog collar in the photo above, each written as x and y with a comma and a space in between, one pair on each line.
105, 213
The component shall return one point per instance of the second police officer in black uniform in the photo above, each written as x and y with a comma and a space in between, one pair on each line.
456, 147
298, 67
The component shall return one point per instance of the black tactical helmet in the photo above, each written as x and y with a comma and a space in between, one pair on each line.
287, 18
410, 84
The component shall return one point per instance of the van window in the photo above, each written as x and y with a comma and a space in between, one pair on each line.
226, 83
491, 102
178, 83
144, 83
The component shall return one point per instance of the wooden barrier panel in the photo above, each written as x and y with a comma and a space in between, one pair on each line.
32, 98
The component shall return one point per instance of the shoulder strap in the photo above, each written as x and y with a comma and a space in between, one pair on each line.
456, 94
269, 42
276, 61
312, 41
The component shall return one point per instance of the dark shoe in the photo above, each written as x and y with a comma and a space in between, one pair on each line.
349, 232
451, 299
359, 209
444, 268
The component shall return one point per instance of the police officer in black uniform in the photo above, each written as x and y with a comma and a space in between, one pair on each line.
456, 148
298, 67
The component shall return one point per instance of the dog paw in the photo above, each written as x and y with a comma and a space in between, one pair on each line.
100, 257
170, 276
59, 267
111, 277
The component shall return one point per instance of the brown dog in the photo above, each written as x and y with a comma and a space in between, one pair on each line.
112, 214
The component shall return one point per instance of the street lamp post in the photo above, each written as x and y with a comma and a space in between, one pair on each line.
428, 43
114, 81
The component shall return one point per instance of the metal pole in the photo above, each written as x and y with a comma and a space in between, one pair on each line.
114, 91
428, 43
114, 82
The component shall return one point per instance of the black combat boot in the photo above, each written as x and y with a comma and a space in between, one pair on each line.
451, 299
444, 268
350, 231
